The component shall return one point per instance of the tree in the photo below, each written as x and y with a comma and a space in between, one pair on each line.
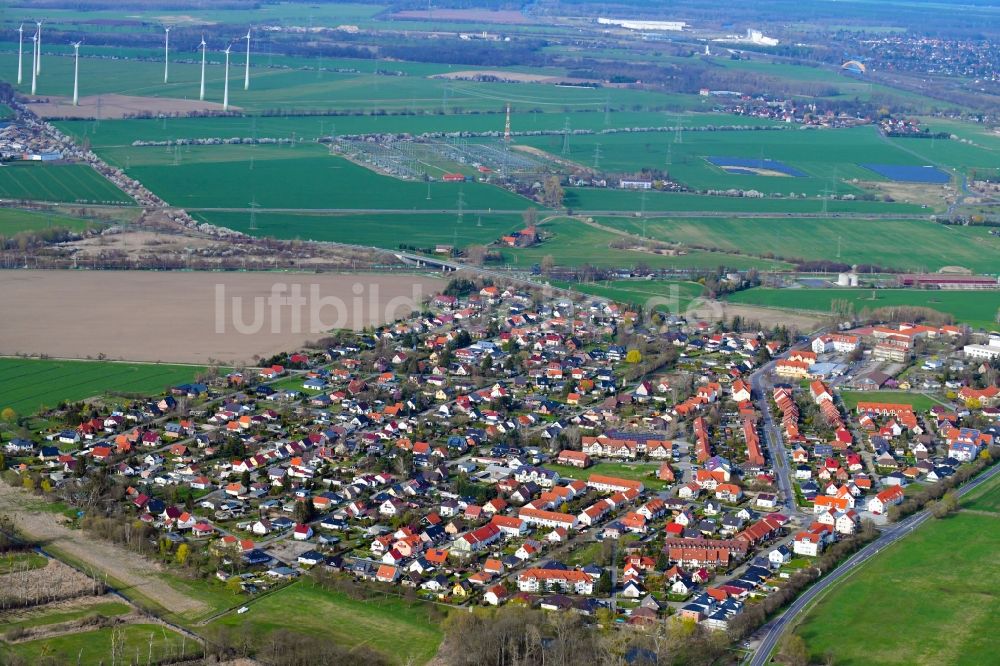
476, 254
529, 216
548, 263
552, 192
793, 650
234, 585
633, 356
182, 553
8, 414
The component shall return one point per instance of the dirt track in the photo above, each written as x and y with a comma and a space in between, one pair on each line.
191, 317
130, 569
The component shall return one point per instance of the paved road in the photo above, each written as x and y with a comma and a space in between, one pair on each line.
892, 534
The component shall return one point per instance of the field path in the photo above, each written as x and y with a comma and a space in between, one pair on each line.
133, 571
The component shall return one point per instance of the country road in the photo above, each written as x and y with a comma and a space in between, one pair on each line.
776, 628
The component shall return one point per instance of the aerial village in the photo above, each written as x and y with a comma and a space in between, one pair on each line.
508, 447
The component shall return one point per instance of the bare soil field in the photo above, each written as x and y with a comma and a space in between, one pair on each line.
768, 317
509, 17
132, 570
113, 106
193, 317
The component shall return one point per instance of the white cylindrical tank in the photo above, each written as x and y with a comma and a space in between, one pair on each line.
853, 279
843, 280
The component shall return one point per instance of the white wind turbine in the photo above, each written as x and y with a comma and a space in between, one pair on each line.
20, 54
166, 53
201, 95
34, 59
76, 73
38, 50
225, 90
246, 76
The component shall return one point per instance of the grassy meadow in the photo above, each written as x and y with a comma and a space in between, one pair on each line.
26, 385
941, 613
667, 295
975, 308
405, 632
153, 642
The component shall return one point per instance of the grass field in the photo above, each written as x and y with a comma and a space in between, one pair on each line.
379, 230
401, 630
575, 243
920, 402
64, 183
667, 295
18, 561
13, 221
917, 245
978, 309
929, 599
94, 647
645, 472
26, 385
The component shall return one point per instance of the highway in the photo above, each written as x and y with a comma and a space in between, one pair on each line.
889, 536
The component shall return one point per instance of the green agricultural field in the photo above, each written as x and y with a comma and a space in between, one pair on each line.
920, 401
64, 183
312, 87
26, 385
829, 157
94, 647
422, 230
645, 472
940, 614
986, 498
119, 133
975, 308
917, 245
667, 295
38, 618
299, 177
405, 632
610, 201
574, 243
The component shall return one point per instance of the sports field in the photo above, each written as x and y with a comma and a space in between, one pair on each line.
26, 385
574, 243
919, 401
64, 183
975, 308
928, 599
405, 632
906, 244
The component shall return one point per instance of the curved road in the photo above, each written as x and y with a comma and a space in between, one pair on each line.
889, 536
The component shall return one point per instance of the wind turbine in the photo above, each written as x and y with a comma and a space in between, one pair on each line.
246, 76
202, 45
166, 53
34, 60
20, 54
225, 93
38, 51
76, 73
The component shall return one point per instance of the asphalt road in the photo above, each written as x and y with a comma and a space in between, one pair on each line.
776, 628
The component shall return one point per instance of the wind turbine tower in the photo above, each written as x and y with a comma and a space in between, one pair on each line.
76, 73
506, 127
38, 51
34, 59
246, 75
20, 54
166, 53
201, 94
225, 90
